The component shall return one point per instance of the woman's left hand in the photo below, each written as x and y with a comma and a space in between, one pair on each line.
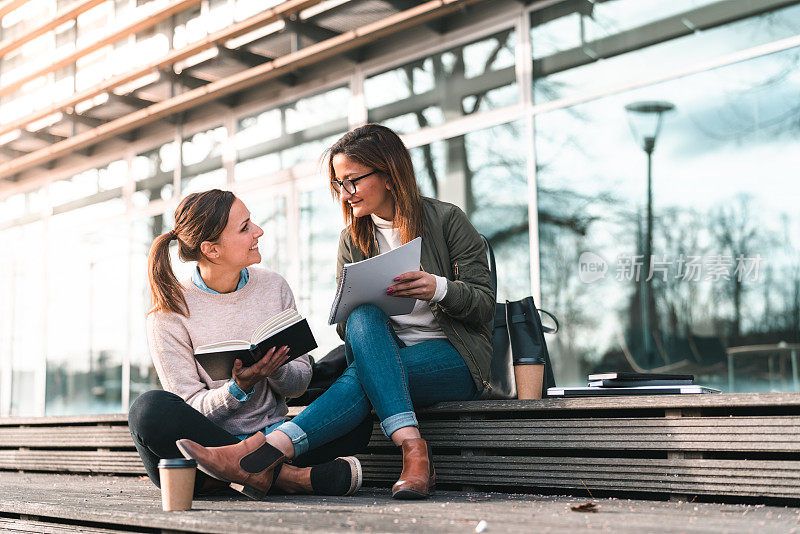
415, 284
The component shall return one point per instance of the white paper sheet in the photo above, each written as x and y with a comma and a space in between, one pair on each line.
365, 282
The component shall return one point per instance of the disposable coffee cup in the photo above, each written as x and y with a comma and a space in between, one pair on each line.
529, 378
177, 483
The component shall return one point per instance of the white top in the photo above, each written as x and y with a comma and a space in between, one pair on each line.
419, 325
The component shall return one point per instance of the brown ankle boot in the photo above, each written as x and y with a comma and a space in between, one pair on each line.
418, 479
248, 466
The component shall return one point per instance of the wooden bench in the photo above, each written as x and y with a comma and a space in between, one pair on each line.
722, 447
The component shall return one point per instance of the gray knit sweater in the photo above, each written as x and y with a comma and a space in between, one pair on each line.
221, 317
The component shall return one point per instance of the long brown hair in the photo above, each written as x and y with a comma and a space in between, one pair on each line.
378, 147
199, 217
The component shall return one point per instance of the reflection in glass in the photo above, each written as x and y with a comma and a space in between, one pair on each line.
280, 138
725, 229
28, 297
269, 212
484, 174
475, 77
201, 155
611, 43
319, 228
143, 375
153, 173
86, 325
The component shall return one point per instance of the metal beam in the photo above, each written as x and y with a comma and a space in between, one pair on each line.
245, 57
137, 103
47, 137
12, 153
316, 34
94, 122
193, 82
437, 26
77, 118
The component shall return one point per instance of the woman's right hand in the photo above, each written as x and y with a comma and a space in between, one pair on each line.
248, 377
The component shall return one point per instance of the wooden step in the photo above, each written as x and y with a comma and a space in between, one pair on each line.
713, 477
114, 462
744, 434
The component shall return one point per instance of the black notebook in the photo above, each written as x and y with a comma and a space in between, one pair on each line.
287, 328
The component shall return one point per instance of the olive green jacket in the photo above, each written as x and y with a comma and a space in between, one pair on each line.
451, 247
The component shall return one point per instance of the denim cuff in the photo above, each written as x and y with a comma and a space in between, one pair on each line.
398, 421
237, 392
297, 435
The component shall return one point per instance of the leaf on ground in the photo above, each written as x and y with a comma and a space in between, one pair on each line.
588, 507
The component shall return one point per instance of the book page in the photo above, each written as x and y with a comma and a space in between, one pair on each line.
365, 282
220, 346
274, 323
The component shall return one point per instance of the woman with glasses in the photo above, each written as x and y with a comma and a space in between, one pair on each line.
438, 352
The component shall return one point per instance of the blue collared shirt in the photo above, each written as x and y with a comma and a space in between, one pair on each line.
197, 280
244, 276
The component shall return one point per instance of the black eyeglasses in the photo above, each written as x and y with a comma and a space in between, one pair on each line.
349, 185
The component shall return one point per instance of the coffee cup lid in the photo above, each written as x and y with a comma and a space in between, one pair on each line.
176, 463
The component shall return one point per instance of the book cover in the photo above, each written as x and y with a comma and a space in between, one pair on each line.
217, 358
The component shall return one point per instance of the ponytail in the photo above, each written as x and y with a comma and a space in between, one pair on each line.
199, 217
167, 292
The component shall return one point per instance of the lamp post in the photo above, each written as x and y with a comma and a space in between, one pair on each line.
645, 120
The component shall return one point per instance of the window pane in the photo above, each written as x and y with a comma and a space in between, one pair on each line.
484, 173
625, 40
280, 138
476, 77
86, 315
320, 225
28, 300
724, 236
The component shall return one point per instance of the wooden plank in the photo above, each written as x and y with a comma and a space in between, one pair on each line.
65, 420
756, 434
112, 462
711, 477
730, 401
43, 527
66, 437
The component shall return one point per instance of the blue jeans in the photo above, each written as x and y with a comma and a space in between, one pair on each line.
385, 374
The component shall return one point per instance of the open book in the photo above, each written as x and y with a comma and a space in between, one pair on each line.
366, 281
287, 328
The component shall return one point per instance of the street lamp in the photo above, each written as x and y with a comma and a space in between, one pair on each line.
645, 120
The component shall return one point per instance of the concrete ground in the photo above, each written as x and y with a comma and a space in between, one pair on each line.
113, 504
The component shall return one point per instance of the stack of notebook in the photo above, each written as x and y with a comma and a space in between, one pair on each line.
607, 384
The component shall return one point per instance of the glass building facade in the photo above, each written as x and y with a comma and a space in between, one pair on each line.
522, 119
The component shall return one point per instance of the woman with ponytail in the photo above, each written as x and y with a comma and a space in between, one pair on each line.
226, 298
